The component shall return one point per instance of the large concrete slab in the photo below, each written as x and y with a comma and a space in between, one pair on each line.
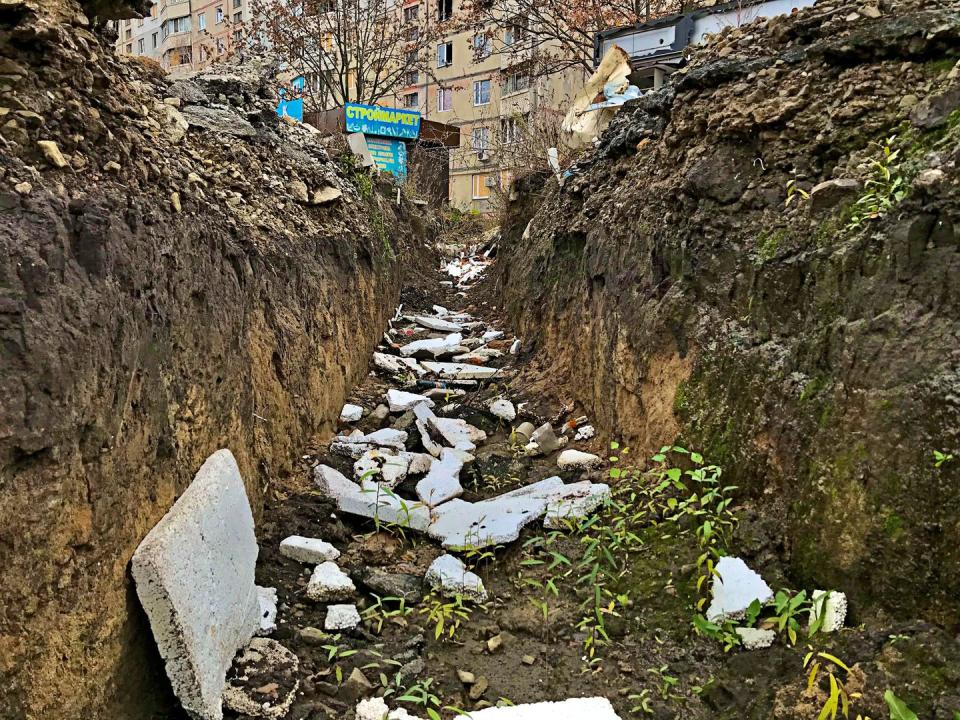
460, 371
435, 323
382, 505
433, 346
194, 575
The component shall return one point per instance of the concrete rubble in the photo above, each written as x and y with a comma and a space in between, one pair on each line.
735, 587
267, 602
594, 708
503, 409
450, 577
328, 582
578, 460
401, 401
389, 467
351, 413
311, 551
442, 483
341, 617
264, 680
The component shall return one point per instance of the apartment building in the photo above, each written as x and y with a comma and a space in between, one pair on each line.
476, 81
186, 34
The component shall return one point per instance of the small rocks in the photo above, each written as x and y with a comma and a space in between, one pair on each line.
466, 677
298, 189
355, 687
577, 460
756, 638
328, 582
23, 188
341, 617
528, 659
389, 584
828, 195
448, 575
308, 550
51, 152
478, 688
585, 433
351, 413
494, 644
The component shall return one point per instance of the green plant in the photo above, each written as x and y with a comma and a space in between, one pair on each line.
838, 699
446, 616
641, 702
793, 192
335, 652
787, 608
667, 682
884, 189
941, 458
899, 709
379, 612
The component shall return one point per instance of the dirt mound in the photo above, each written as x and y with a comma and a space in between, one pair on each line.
759, 260
179, 271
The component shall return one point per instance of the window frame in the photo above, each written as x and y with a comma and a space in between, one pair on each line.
477, 85
441, 93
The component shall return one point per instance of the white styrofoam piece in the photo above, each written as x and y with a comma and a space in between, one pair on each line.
503, 409
448, 575
434, 346
834, 609
734, 588
267, 602
341, 617
351, 413
460, 525
328, 582
384, 506
194, 575
756, 638
401, 401
312, 551
394, 364
385, 437
442, 482
577, 460
580, 499
461, 371
491, 335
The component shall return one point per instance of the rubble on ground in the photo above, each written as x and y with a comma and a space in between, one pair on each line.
263, 681
308, 550
450, 577
735, 587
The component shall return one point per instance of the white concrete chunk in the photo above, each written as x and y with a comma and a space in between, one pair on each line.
433, 346
459, 433
351, 413
577, 460
461, 371
834, 607
578, 502
267, 602
329, 582
460, 525
734, 588
394, 364
389, 467
491, 335
594, 708
503, 409
544, 441
450, 577
385, 437
755, 638
341, 617
442, 483
194, 575
311, 551
435, 323
385, 506
585, 433
262, 661
401, 401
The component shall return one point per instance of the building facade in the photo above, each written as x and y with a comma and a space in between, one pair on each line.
185, 35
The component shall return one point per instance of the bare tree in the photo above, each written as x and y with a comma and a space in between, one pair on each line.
345, 50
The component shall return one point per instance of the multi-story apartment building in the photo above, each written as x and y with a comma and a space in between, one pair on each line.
185, 34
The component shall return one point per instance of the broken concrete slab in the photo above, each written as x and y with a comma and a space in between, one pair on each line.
833, 605
341, 617
491, 335
390, 584
396, 365
578, 502
450, 577
734, 588
435, 323
311, 551
401, 401
503, 409
267, 602
351, 413
385, 437
442, 482
328, 582
594, 708
457, 433
461, 371
544, 441
577, 460
460, 525
264, 680
194, 572
386, 507
433, 346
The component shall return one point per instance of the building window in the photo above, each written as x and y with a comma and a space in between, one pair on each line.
176, 25
238, 18
219, 15
202, 21
237, 36
444, 9
482, 182
129, 32
237, 3
481, 47
411, 14
411, 100
511, 128
140, 46
413, 77
129, 48
481, 92
155, 40
220, 46
516, 82
444, 99
480, 139
514, 34
444, 54
412, 58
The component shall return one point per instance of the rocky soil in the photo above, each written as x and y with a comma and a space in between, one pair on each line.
760, 260
179, 272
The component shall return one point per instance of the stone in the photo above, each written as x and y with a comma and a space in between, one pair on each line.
528, 659
355, 686
578, 503
311, 551
175, 204
385, 507
433, 346
466, 677
264, 682
380, 413
351, 413
832, 193
934, 111
112, 166
515, 347
326, 195
174, 125
491, 335
400, 401
396, 585
23, 188
833, 605
328, 582
267, 602
298, 189
219, 120
450, 577
313, 636
495, 643
371, 709
735, 587
756, 638
442, 482
870, 11
577, 460
341, 617
194, 575
412, 669
503, 409
523, 432
438, 324
51, 151
594, 708
461, 371
479, 688
929, 179
544, 441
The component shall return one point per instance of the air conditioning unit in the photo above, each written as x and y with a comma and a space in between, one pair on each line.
483, 155
490, 181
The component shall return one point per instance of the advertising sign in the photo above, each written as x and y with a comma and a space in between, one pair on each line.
383, 121
390, 155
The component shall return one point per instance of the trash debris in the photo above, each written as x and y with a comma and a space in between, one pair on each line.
389, 467
341, 617
329, 582
308, 550
503, 409
438, 324
491, 335
195, 570
585, 433
579, 503
433, 346
263, 681
833, 606
544, 441
400, 401
460, 371
449, 576
515, 347
578, 460
267, 601
586, 119
523, 432
351, 413
735, 587
755, 638
383, 506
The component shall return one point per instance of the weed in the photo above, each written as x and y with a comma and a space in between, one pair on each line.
334, 653
446, 616
884, 189
641, 702
380, 612
941, 458
899, 709
794, 192
838, 699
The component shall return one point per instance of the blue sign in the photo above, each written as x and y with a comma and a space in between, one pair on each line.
384, 121
390, 155
292, 108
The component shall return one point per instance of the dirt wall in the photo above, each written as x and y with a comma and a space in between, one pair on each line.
807, 345
169, 285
